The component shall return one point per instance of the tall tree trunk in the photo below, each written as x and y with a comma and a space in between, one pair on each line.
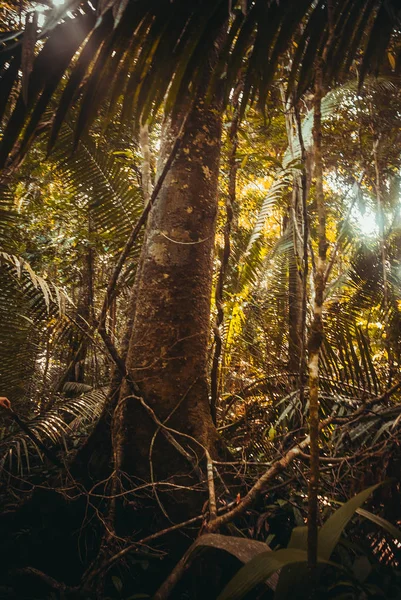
296, 227
316, 330
167, 355
80, 341
295, 286
215, 376
383, 252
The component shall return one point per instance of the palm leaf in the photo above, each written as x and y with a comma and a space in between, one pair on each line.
28, 303
191, 30
56, 427
51, 293
114, 198
282, 181
47, 71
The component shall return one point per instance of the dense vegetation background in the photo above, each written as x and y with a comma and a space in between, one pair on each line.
200, 299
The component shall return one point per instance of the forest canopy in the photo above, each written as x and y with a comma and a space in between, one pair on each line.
200, 299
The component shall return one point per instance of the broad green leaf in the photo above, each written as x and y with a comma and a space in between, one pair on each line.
293, 575
332, 529
389, 527
258, 570
261, 567
299, 537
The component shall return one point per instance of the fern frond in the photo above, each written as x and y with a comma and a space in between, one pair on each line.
114, 198
51, 293
282, 182
8, 217
28, 303
55, 428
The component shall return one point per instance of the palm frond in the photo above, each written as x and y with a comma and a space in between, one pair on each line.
50, 293
28, 303
48, 69
144, 50
7, 217
259, 287
56, 429
114, 199
282, 181
290, 169
330, 103
346, 364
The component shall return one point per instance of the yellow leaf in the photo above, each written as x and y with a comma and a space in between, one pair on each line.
391, 60
244, 161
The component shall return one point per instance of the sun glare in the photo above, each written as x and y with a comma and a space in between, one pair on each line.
41, 19
366, 223
41, 10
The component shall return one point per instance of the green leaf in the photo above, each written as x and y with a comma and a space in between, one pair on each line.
117, 583
332, 529
293, 575
299, 538
386, 525
362, 568
258, 570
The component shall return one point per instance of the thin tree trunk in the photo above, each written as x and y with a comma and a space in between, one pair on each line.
230, 203
316, 332
383, 253
305, 181
295, 286
296, 267
80, 341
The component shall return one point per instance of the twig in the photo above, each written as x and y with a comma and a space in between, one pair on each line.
212, 492
50, 581
166, 431
116, 557
295, 452
258, 488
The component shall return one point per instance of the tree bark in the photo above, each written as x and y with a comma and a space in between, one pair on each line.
215, 376
295, 287
316, 330
167, 355
79, 341
297, 227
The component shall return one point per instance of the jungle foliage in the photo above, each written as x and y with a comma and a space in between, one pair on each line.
97, 103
